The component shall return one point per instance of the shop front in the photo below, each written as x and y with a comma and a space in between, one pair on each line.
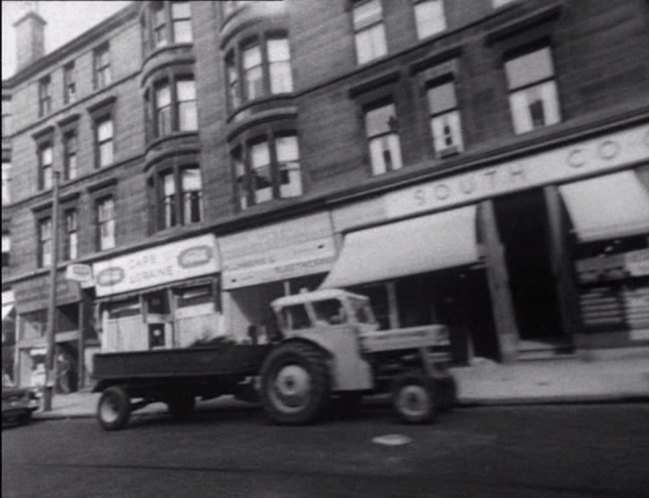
160, 298
510, 256
32, 300
268, 262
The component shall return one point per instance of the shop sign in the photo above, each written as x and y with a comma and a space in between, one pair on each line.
278, 252
80, 273
32, 295
159, 265
558, 165
637, 262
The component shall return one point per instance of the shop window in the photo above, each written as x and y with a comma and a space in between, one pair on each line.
265, 69
45, 166
68, 317
383, 139
190, 296
45, 242
70, 144
102, 73
180, 197
181, 19
445, 123
429, 17
369, 31
6, 249
44, 97
272, 170
533, 96
124, 308
71, 241
157, 303
33, 324
6, 183
105, 209
69, 83
104, 146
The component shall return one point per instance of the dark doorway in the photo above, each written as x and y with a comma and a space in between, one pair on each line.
523, 225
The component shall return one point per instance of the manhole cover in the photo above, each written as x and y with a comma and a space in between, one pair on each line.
392, 440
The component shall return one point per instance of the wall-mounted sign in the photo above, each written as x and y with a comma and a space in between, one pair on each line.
33, 294
80, 273
564, 163
278, 252
158, 265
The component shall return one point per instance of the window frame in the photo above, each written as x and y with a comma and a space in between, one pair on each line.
525, 89
102, 73
392, 130
99, 202
45, 170
172, 78
69, 172
98, 143
6, 182
369, 27
418, 21
69, 83
454, 110
71, 238
44, 96
242, 167
44, 241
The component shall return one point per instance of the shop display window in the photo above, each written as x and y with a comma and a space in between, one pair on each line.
124, 308
191, 296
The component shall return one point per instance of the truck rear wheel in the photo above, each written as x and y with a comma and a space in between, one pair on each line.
114, 409
295, 384
414, 399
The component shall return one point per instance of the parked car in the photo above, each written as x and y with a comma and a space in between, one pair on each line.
18, 403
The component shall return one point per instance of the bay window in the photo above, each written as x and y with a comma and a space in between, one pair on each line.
279, 63
178, 194
163, 109
173, 106
166, 22
266, 168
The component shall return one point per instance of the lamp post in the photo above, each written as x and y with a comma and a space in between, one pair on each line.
50, 366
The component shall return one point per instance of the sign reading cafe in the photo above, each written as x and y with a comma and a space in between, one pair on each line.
156, 266
565, 163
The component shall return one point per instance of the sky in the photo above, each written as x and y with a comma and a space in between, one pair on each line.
65, 20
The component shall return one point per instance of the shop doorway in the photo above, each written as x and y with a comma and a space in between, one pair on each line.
523, 225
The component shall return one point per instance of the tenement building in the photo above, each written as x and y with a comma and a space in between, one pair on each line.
478, 163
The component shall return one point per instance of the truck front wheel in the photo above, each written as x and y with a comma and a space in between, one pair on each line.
295, 384
114, 409
414, 400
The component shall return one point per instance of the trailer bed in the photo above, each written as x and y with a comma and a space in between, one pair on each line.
223, 359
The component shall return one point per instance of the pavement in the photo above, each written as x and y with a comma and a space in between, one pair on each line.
570, 380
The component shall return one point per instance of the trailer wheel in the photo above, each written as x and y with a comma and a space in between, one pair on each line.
414, 399
447, 388
181, 407
295, 384
114, 409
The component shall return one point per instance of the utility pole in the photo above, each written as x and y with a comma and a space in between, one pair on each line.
50, 365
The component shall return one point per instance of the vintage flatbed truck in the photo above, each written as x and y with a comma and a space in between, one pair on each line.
328, 346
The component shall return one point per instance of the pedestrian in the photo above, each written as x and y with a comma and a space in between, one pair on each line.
63, 373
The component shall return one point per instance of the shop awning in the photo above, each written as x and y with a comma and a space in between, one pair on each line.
407, 247
609, 206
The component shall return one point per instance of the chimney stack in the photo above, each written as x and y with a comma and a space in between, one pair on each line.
30, 39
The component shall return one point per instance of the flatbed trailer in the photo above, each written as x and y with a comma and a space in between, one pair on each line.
129, 381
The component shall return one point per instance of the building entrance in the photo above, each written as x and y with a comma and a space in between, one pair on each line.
523, 225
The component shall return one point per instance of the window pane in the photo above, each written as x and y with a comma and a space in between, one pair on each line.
180, 10
367, 13
162, 96
441, 98
169, 186
47, 177
380, 120
262, 184
251, 57
105, 130
535, 107
187, 116
182, 31
376, 156
281, 80
529, 68
278, 50
164, 121
254, 83
191, 179
394, 148
286, 148
447, 131
429, 16
46, 155
106, 154
259, 154
370, 43
186, 90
